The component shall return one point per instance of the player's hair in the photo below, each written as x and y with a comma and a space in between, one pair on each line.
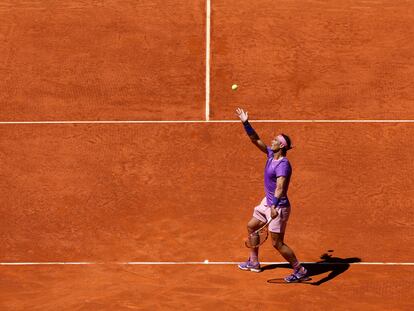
289, 143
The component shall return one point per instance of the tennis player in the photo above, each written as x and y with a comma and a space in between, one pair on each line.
275, 206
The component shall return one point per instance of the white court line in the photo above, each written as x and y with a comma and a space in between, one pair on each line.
55, 263
201, 121
208, 35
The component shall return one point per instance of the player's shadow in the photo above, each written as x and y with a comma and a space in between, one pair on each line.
334, 265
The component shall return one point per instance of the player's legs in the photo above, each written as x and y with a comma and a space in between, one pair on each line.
252, 264
299, 272
282, 248
277, 230
258, 220
253, 225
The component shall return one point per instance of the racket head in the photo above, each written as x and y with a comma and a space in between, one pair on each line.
258, 237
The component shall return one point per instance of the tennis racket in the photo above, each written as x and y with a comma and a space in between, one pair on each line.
258, 237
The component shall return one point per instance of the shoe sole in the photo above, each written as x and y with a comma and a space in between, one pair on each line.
250, 269
305, 278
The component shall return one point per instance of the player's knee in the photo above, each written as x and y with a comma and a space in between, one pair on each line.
277, 244
250, 229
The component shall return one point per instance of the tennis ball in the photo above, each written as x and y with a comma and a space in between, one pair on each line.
234, 87
206, 261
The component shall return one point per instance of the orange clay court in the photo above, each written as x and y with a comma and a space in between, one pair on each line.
124, 166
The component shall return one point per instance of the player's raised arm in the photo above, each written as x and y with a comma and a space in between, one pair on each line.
250, 131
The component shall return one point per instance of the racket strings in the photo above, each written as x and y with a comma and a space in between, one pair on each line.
257, 238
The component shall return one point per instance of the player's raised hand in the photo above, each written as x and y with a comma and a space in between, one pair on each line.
242, 115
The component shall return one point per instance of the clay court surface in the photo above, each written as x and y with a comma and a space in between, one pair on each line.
102, 215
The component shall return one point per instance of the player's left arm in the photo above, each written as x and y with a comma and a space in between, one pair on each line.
281, 182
